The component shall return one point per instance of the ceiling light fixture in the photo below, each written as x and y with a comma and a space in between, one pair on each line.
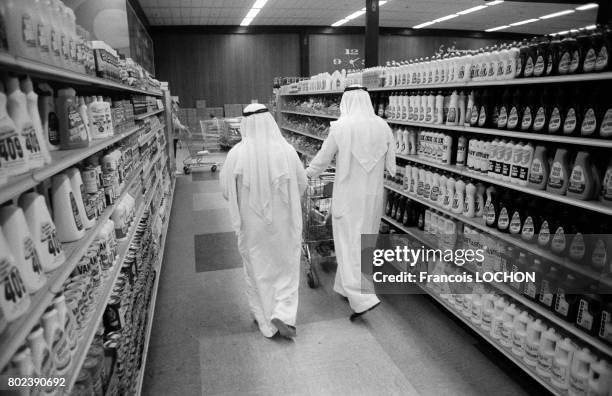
473, 9
556, 14
445, 18
422, 25
526, 21
497, 28
253, 13
495, 2
587, 6
257, 6
246, 21
590, 27
355, 15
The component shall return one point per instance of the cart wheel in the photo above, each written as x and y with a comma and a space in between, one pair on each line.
186, 170
213, 168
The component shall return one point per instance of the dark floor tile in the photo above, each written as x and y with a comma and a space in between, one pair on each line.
215, 252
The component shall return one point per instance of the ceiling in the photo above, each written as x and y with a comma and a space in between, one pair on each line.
396, 13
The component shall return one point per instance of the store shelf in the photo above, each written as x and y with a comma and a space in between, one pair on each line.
146, 171
594, 206
140, 117
574, 140
479, 224
310, 114
303, 93
49, 72
516, 81
104, 293
60, 160
15, 334
310, 135
423, 238
153, 301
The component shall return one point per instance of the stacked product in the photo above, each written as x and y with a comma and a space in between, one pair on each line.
309, 125
324, 105
144, 104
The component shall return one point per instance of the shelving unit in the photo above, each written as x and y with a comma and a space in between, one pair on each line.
44, 71
104, 293
595, 206
146, 139
139, 117
151, 311
310, 114
310, 135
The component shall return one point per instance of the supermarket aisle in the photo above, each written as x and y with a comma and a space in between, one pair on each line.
204, 340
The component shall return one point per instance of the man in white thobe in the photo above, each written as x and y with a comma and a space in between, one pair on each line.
365, 146
263, 180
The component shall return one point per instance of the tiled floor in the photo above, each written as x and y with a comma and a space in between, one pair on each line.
205, 343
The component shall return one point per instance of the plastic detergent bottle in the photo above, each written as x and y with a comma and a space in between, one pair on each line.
590, 306
421, 182
539, 169
498, 317
67, 320
32, 107
469, 208
406, 137
542, 112
21, 29
475, 109
601, 247
581, 181
566, 302
558, 179
86, 211
14, 159
564, 353
519, 333
600, 378
461, 151
548, 343
96, 116
572, 119
506, 160
435, 187
579, 372
18, 111
479, 200
505, 211
72, 130
591, 112
24, 250
427, 185
56, 340
50, 122
24, 367
517, 216
407, 178
491, 209
559, 233
414, 183
532, 342
507, 330
423, 106
488, 308
14, 298
515, 166
605, 195
439, 109
41, 357
66, 213
84, 115
515, 113
506, 104
548, 286
450, 193
452, 117
458, 197
529, 111
531, 222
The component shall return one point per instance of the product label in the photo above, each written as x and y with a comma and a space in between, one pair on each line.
513, 118
90, 212
561, 304
555, 121
76, 128
557, 175
539, 66
500, 69
564, 63
452, 114
490, 215
435, 193
605, 327
558, 241
518, 67
602, 59
12, 287
536, 174
545, 361
532, 351
31, 140
527, 119
575, 62
531, 290
549, 65
577, 248
503, 220
48, 236
544, 234
482, 117
28, 30
606, 124
589, 61
474, 115
56, 45
577, 182
570, 122
65, 47
515, 223
528, 230
589, 123
515, 171
461, 72
456, 204
559, 373
546, 295
43, 38
75, 212
31, 256
529, 67
12, 154
540, 119
599, 255
502, 120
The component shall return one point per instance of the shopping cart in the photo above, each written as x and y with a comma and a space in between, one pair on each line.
199, 150
318, 240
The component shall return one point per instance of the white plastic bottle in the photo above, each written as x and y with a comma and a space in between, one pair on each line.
415, 180
480, 200
407, 178
564, 353
548, 344
498, 317
519, 334
485, 151
439, 109
87, 212
513, 61
32, 106
49, 120
452, 117
67, 320
17, 108
459, 197
14, 160
469, 209
507, 329
14, 298
25, 252
600, 378
468, 109
525, 166
488, 310
507, 160
579, 372
20, 20
83, 111
532, 342
56, 340
517, 158
66, 213
450, 193
41, 357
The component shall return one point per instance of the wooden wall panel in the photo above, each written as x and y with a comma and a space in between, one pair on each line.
324, 48
224, 68
411, 47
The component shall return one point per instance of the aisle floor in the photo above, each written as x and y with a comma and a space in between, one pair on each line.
204, 341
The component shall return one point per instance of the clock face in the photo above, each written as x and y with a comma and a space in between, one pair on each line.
350, 59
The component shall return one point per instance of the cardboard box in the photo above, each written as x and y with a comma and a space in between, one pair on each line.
233, 110
201, 104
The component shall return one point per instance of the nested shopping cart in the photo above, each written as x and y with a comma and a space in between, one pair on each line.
200, 146
318, 240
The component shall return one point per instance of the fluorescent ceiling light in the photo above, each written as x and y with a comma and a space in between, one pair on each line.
253, 13
355, 14
497, 28
590, 27
246, 21
259, 3
556, 14
526, 21
587, 6
562, 33
382, 3
496, 2
422, 25
473, 9
445, 18
340, 22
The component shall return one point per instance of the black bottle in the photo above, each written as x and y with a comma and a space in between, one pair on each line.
523, 59
529, 111
389, 205
592, 112
603, 63
517, 216
516, 111
576, 59
541, 61
584, 44
531, 222
553, 52
506, 103
590, 306
548, 287
401, 207
590, 49
505, 211
572, 119
545, 228
557, 112
474, 114
485, 112
559, 240
532, 289
542, 114
566, 299
566, 48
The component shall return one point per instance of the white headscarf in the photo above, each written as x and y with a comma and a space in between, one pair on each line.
262, 160
363, 132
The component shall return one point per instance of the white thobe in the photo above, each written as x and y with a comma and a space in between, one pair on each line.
357, 205
270, 252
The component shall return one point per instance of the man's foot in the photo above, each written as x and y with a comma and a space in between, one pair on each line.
284, 329
355, 315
